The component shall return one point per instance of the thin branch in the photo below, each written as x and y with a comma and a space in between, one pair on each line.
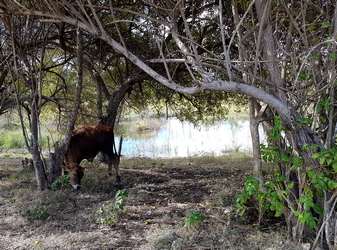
225, 51
240, 23
165, 64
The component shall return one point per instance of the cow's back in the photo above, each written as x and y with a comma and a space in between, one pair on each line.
86, 142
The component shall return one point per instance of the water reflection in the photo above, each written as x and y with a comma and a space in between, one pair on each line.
173, 138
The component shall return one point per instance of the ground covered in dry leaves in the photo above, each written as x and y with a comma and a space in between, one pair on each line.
160, 195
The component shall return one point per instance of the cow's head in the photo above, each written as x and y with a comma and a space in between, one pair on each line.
76, 176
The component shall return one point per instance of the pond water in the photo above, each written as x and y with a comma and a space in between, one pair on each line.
174, 138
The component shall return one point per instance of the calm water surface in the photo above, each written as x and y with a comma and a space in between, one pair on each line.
174, 138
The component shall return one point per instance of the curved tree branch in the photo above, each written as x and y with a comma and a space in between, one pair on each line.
219, 85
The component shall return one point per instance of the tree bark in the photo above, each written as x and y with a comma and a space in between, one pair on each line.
332, 81
263, 9
99, 103
40, 173
253, 120
254, 132
117, 97
56, 158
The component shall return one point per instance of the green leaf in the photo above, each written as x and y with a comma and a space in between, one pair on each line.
332, 184
290, 185
318, 209
334, 166
307, 219
321, 161
324, 105
325, 24
296, 162
303, 76
329, 161
333, 56
315, 156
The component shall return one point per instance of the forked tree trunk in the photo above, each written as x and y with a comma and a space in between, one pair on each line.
33, 147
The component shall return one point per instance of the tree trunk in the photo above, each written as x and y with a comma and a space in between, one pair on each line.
99, 103
253, 121
40, 173
254, 132
56, 158
263, 9
117, 97
329, 142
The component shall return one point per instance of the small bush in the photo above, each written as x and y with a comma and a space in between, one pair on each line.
120, 199
108, 214
61, 182
37, 213
193, 220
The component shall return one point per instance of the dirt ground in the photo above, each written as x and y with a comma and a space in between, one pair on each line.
160, 195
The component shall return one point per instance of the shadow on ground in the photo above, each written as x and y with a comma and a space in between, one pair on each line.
161, 193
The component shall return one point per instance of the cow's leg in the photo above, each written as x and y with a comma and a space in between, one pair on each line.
118, 177
112, 159
110, 168
116, 167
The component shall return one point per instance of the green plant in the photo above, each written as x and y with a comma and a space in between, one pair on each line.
193, 220
324, 105
61, 182
120, 199
36, 213
108, 213
304, 121
292, 186
304, 76
327, 158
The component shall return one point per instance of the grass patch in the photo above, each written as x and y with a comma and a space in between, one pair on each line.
15, 154
36, 213
235, 159
11, 139
40, 206
193, 220
62, 182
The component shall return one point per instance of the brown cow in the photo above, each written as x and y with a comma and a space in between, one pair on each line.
85, 143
